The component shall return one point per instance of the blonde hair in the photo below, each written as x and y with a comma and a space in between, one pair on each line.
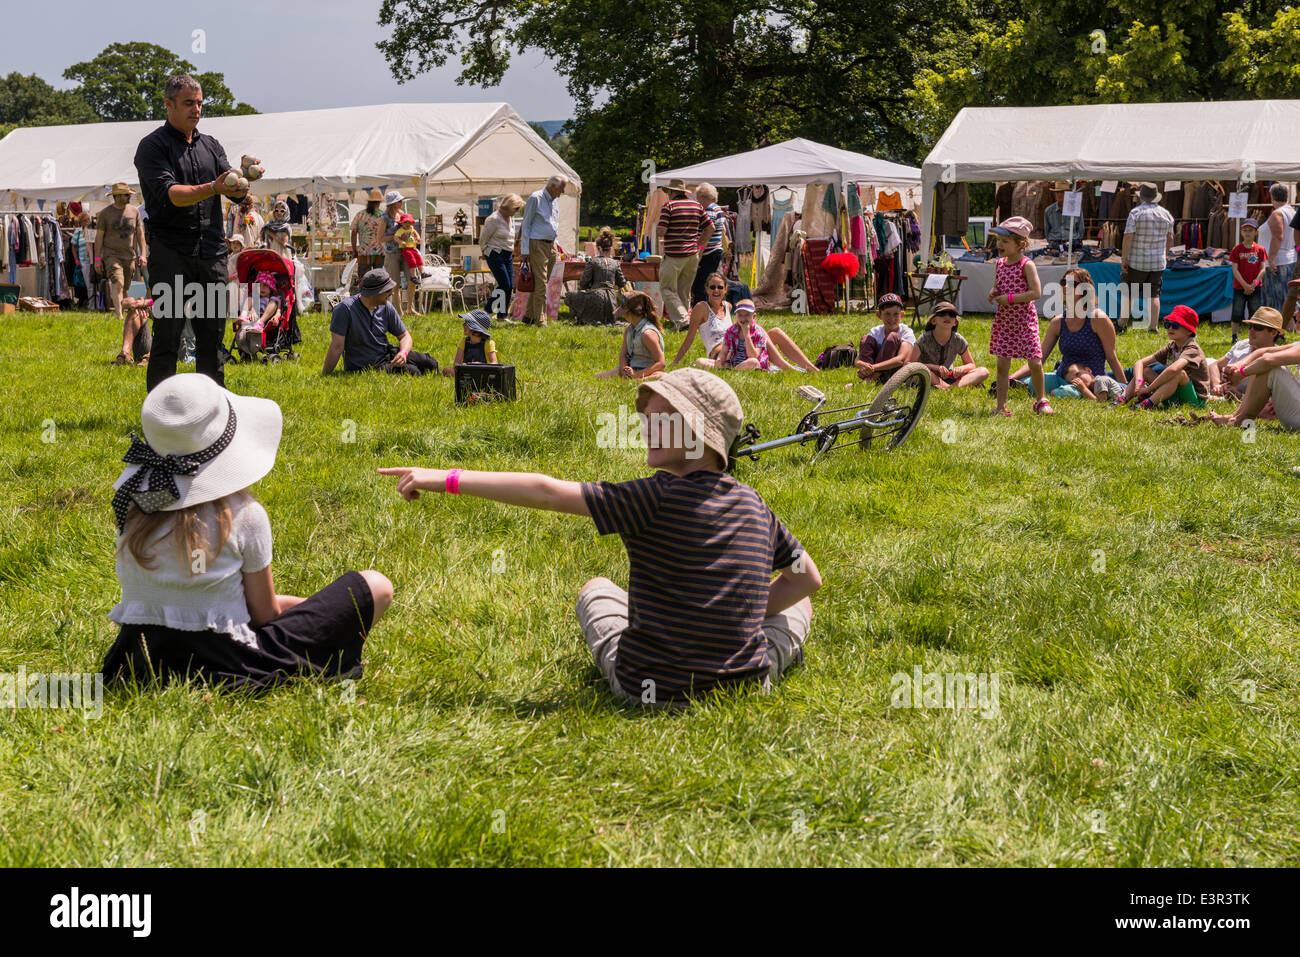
706, 193
195, 524
514, 202
605, 238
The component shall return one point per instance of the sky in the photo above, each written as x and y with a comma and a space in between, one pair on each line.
277, 56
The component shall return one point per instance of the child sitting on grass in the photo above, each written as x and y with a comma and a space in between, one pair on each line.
1185, 378
477, 346
889, 346
194, 554
701, 610
941, 345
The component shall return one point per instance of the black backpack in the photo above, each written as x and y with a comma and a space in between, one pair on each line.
833, 357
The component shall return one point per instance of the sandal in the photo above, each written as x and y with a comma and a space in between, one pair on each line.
1004, 411
122, 360
1043, 407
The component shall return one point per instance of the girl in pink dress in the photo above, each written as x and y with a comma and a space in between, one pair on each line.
1015, 327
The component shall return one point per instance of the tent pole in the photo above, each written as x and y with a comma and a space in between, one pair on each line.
311, 236
424, 209
1069, 249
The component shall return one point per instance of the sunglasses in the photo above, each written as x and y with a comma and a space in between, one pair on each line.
1173, 325
711, 288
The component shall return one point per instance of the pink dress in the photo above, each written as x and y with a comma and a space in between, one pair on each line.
1015, 327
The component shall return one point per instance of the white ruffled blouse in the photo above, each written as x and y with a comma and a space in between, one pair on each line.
212, 598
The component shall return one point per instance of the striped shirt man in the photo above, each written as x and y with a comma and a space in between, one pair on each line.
1149, 225
701, 548
685, 221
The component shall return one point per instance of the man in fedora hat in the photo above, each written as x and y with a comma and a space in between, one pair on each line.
1148, 234
183, 175
537, 235
684, 229
360, 326
120, 251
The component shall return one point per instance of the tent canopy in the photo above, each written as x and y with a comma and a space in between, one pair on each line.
792, 163
464, 149
1246, 140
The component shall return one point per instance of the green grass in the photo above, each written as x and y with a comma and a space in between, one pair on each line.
1121, 689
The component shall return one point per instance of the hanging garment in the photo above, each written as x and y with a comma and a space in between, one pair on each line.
1172, 200
889, 201
817, 222
857, 237
1021, 203
761, 213
1002, 202
1043, 191
658, 200
772, 291
1122, 204
951, 209
831, 202
853, 200
781, 206
745, 223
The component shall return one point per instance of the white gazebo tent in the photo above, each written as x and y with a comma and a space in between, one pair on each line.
423, 149
1246, 141
795, 162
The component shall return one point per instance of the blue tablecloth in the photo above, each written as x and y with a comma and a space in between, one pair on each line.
1205, 289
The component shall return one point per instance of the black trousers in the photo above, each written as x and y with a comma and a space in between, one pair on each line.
709, 264
205, 298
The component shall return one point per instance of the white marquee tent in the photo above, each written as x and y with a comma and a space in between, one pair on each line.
792, 163
453, 150
1245, 140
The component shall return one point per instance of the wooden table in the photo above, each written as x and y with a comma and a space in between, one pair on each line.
932, 297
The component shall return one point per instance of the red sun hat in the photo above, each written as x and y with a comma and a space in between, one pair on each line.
1185, 316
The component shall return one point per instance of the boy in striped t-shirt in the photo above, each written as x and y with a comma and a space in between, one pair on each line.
701, 610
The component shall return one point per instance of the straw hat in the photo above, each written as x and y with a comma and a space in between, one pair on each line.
1267, 317
201, 443
119, 188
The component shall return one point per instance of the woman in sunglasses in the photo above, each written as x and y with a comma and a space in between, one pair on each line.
712, 318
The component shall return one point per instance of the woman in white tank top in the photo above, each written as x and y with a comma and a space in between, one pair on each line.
710, 319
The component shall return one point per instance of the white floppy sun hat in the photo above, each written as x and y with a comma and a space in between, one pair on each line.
201, 443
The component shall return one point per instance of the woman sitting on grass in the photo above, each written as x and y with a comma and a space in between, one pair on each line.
940, 346
194, 554
1084, 332
711, 318
641, 356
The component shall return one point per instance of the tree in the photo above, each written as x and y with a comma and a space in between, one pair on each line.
560, 142
669, 82
1084, 51
30, 101
125, 81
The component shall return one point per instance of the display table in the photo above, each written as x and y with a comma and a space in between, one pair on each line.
924, 300
1207, 289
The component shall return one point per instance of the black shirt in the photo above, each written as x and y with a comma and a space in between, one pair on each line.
163, 160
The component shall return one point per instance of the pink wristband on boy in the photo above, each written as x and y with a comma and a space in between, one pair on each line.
453, 481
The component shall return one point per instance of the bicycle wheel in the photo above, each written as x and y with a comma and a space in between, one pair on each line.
905, 393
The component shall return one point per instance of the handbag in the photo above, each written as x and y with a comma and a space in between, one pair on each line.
524, 281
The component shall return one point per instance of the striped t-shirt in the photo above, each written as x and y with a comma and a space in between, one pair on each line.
701, 549
718, 216
685, 218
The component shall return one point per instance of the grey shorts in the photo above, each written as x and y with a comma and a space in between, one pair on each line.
602, 615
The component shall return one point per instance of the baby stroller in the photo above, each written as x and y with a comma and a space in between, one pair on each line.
281, 334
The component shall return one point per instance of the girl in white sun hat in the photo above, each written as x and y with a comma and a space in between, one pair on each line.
194, 554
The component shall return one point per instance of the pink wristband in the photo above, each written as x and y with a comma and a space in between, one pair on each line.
453, 481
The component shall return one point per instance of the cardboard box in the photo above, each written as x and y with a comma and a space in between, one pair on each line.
6, 307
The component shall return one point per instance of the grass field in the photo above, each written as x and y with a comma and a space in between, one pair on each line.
1130, 583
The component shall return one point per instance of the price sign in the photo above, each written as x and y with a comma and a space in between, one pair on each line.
936, 280
1237, 205
1073, 204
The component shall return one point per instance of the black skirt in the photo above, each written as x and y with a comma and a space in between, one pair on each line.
321, 637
